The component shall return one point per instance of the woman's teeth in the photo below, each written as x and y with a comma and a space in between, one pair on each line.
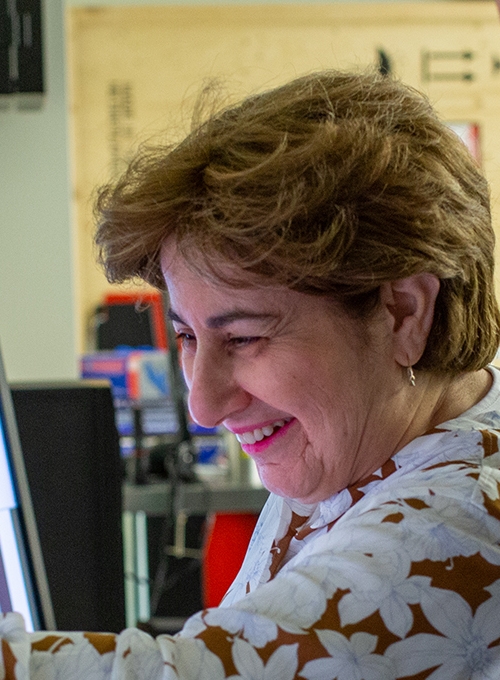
258, 434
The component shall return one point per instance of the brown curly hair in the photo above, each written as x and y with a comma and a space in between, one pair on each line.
331, 185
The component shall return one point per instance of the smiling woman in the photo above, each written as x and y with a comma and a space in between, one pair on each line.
328, 254
299, 381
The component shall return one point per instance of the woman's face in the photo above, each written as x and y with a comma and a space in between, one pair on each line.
309, 393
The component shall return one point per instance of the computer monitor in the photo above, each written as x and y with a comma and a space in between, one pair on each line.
23, 581
71, 453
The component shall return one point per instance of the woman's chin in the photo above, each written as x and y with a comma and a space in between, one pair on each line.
299, 490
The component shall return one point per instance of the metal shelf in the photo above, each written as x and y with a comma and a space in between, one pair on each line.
194, 499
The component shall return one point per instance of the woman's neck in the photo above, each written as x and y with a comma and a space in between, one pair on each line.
459, 395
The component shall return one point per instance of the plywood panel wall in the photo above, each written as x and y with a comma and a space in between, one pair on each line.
136, 71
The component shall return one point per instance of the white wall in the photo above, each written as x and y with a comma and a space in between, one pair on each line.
37, 327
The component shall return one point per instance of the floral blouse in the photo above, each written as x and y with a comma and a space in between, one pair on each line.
395, 577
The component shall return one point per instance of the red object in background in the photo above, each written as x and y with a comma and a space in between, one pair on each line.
228, 535
154, 300
469, 133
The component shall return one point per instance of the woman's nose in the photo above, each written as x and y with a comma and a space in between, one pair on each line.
214, 393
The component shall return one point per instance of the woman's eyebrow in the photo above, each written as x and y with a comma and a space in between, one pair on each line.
173, 316
222, 320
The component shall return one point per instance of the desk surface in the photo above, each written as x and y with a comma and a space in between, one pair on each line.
195, 499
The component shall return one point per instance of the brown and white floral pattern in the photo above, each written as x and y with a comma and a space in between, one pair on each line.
397, 577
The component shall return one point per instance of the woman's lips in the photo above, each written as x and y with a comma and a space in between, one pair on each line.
259, 433
255, 441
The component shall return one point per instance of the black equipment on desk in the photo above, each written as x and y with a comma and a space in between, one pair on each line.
72, 456
123, 325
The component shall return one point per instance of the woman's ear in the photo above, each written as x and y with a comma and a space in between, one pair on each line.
409, 307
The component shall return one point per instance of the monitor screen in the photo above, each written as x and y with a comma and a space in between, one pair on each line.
23, 582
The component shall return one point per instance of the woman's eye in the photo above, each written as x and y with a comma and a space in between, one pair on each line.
186, 339
243, 341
